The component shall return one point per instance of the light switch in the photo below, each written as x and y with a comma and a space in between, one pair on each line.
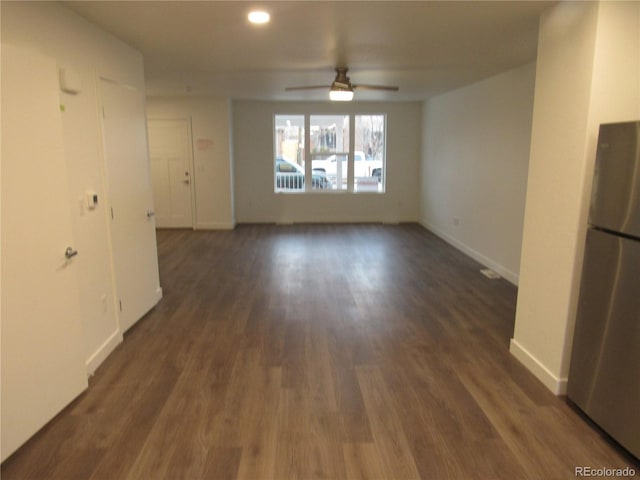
92, 199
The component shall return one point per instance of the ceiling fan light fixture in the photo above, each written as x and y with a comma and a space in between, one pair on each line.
340, 95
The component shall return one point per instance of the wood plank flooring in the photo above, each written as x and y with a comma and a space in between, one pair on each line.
317, 352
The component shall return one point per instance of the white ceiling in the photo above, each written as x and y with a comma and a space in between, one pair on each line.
424, 47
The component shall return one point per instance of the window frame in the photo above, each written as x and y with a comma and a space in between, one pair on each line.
307, 154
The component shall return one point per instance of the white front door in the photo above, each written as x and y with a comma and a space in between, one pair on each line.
43, 364
133, 235
170, 153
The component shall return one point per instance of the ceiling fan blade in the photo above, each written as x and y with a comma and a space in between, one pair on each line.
376, 87
313, 87
342, 82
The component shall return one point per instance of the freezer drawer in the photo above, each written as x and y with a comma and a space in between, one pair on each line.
615, 199
604, 377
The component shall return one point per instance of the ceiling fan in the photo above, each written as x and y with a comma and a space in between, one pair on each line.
342, 89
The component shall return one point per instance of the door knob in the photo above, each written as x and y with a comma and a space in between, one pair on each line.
186, 181
70, 252
150, 213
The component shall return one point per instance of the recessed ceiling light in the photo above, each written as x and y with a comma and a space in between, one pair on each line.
258, 17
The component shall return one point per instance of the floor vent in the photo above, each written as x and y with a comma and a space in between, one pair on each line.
489, 273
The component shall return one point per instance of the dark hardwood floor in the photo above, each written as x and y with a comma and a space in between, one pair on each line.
317, 351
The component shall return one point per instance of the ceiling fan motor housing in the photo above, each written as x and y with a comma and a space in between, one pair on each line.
342, 81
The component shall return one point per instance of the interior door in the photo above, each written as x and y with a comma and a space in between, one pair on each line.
170, 154
43, 365
133, 236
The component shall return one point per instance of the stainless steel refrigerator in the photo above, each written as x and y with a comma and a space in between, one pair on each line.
604, 376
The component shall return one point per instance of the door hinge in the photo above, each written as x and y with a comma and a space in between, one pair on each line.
104, 115
111, 213
120, 301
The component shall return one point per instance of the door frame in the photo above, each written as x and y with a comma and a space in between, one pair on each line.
117, 298
107, 194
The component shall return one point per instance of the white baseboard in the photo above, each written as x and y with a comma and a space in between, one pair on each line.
477, 256
215, 226
554, 383
100, 355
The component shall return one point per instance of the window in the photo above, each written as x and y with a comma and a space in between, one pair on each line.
369, 156
347, 153
330, 148
289, 153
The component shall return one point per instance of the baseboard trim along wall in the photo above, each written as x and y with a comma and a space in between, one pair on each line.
215, 226
477, 256
101, 354
557, 385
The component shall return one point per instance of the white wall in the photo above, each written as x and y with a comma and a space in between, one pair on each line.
588, 72
211, 154
475, 156
75, 43
255, 200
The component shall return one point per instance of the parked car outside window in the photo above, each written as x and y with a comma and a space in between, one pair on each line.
362, 166
290, 176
